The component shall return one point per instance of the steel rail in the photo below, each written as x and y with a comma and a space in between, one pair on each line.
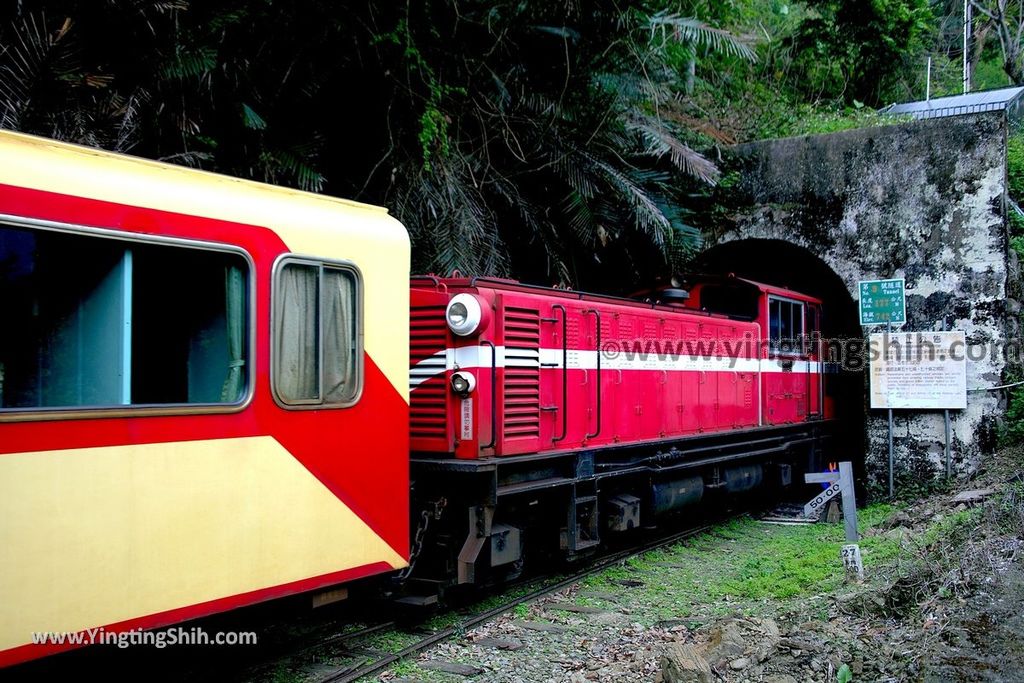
353, 672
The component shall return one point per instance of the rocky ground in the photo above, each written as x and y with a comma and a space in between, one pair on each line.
942, 600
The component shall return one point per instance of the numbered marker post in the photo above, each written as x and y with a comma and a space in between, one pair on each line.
852, 561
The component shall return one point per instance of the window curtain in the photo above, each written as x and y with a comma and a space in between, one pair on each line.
339, 341
234, 290
298, 360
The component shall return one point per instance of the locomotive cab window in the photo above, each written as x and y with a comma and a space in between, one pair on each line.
317, 359
733, 301
785, 325
95, 322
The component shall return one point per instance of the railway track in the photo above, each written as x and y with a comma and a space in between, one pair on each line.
343, 647
367, 666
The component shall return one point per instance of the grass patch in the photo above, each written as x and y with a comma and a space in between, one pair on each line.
747, 562
405, 669
792, 563
443, 620
953, 528
390, 641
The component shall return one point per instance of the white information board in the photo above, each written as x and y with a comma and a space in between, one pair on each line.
919, 370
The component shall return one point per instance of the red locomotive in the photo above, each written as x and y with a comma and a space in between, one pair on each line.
531, 404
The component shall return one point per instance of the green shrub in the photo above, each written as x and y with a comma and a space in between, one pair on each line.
1015, 168
1013, 427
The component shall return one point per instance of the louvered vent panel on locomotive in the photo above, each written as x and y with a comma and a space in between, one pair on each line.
520, 407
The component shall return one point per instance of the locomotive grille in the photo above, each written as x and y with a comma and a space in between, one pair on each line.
428, 340
522, 373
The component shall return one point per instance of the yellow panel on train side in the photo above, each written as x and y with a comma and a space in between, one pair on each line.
95, 536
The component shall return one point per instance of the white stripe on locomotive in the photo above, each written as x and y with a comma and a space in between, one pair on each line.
480, 358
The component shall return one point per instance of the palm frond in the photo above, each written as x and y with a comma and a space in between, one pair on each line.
190, 63
31, 57
294, 166
581, 218
251, 119
632, 86
190, 158
575, 169
125, 111
536, 226
661, 141
168, 6
648, 216
452, 225
683, 237
665, 25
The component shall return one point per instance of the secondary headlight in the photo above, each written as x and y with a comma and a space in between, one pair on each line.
463, 383
464, 314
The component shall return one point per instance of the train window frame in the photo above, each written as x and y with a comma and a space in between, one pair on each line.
775, 347
104, 411
812, 328
360, 331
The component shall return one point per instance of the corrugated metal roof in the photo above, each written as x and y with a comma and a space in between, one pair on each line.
971, 103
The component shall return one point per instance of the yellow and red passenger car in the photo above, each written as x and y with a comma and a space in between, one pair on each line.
203, 392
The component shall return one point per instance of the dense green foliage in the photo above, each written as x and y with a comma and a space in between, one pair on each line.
1013, 425
1015, 187
548, 140
1015, 165
530, 131
860, 50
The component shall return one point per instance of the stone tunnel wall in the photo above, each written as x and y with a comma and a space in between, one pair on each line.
924, 201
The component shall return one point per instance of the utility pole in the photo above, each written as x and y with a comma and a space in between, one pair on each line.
928, 84
967, 34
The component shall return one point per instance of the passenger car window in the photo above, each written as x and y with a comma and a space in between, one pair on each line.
316, 356
91, 321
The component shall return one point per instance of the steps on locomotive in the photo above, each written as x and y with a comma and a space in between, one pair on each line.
582, 530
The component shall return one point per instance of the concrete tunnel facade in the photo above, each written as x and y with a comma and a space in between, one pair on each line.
925, 201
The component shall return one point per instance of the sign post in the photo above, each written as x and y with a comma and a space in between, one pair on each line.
883, 301
919, 371
840, 484
892, 489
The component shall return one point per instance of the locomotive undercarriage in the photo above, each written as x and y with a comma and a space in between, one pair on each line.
479, 521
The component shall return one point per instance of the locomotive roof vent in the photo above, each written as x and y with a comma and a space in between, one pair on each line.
673, 296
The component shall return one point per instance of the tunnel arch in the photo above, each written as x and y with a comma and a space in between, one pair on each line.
924, 201
785, 264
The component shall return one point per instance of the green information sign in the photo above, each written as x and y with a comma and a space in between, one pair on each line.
882, 301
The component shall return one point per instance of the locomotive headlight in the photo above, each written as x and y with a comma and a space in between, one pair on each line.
464, 314
463, 383
457, 314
